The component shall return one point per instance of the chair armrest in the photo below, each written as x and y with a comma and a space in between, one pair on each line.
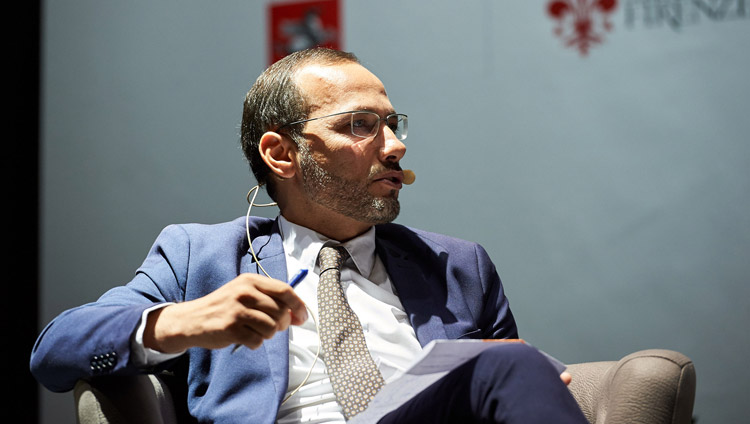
650, 386
119, 400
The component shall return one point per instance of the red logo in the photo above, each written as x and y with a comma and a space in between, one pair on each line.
581, 23
300, 25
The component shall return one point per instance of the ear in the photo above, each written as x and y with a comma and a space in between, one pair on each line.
277, 152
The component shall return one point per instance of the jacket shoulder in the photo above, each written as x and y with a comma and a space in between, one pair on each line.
405, 235
223, 232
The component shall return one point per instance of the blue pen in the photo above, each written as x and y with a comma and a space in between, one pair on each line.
297, 278
293, 282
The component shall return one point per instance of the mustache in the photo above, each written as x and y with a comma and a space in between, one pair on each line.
390, 166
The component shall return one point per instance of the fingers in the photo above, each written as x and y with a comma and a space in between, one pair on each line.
266, 306
277, 299
249, 338
566, 377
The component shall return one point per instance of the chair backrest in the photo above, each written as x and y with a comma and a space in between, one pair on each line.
142, 399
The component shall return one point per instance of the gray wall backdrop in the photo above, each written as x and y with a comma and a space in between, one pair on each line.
610, 190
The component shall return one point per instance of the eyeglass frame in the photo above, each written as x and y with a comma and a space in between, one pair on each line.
404, 118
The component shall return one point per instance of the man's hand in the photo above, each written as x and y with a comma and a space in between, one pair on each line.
246, 310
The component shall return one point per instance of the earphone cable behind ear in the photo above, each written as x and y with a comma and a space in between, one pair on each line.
254, 192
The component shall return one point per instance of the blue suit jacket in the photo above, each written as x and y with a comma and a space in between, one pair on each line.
449, 288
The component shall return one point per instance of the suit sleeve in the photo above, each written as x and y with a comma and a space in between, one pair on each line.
496, 320
95, 339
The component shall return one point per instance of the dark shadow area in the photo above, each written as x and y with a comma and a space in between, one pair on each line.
21, 165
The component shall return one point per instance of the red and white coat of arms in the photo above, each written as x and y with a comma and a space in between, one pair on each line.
581, 23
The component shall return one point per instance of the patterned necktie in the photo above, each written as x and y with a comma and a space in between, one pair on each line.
353, 373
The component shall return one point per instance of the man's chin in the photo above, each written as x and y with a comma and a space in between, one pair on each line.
384, 210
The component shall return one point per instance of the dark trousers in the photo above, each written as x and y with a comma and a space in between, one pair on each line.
511, 383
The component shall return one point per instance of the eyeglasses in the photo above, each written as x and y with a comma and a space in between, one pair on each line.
366, 124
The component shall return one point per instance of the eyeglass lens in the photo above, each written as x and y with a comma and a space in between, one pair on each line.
367, 124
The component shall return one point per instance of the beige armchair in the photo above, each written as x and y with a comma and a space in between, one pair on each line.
648, 387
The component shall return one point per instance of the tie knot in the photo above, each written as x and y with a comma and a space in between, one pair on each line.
332, 257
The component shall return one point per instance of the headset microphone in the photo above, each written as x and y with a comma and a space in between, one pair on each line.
409, 177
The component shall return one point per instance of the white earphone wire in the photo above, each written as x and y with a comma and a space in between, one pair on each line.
251, 203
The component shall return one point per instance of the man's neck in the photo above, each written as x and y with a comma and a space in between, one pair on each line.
301, 210
333, 226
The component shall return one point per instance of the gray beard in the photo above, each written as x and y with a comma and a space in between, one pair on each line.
347, 197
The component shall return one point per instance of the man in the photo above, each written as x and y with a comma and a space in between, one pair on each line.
321, 134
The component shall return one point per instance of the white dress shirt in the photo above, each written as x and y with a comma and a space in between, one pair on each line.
388, 333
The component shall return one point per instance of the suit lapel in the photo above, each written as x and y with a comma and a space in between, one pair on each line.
269, 250
270, 253
416, 285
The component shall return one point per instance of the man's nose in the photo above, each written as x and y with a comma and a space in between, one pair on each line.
393, 149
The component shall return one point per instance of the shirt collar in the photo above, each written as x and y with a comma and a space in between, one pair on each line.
304, 244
